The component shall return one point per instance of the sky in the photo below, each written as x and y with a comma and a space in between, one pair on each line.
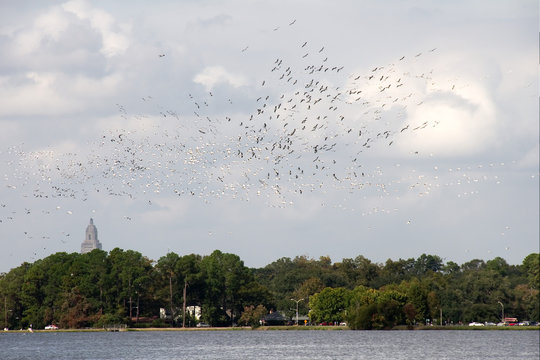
270, 129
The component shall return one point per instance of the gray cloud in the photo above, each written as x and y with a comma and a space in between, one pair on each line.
144, 118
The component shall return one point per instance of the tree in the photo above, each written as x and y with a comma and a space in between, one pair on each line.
188, 268
358, 271
93, 269
362, 317
531, 266
426, 263
251, 316
130, 271
375, 309
227, 287
394, 272
475, 264
417, 295
498, 265
450, 268
329, 305
76, 311
410, 313
166, 270
11, 285
98, 288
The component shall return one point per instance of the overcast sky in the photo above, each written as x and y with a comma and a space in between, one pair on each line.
270, 129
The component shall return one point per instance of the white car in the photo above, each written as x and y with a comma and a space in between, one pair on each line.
51, 327
476, 324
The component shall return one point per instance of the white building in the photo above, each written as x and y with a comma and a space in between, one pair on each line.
91, 241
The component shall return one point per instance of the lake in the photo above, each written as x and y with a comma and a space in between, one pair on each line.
290, 344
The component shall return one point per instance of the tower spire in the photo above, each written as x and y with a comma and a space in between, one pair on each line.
91, 241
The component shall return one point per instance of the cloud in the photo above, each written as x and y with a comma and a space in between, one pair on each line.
10, 130
165, 210
531, 159
49, 93
34, 93
61, 31
217, 20
115, 41
46, 27
462, 122
213, 75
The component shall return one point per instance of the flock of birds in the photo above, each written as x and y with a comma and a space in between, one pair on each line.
312, 127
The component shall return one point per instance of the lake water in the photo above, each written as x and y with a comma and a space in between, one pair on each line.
275, 344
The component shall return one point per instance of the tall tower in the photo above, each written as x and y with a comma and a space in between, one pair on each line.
91, 241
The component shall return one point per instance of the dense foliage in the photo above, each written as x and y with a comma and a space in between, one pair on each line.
100, 288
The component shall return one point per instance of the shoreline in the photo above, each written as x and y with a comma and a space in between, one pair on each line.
293, 327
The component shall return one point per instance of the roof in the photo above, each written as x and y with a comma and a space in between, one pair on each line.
275, 316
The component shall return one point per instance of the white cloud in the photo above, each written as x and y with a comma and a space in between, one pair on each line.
463, 122
48, 93
213, 75
35, 95
115, 41
52, 27
531, 159
47, 26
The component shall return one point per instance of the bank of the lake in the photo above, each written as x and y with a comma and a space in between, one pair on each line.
295, 328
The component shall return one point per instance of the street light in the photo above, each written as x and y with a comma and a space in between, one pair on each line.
502, 311
297, 301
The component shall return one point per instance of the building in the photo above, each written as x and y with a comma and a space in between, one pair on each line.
275, 318
91, 241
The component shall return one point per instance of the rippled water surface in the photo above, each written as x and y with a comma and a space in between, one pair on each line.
290, 344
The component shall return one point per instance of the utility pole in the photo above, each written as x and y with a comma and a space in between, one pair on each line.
5, 312
138, 296
297, 301
184, 305
502, 311
170, 293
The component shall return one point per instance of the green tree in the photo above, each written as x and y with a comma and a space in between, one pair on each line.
416, 293
363, 317
251, 316
329, 305
498, 265
11, 285
130, 270
531, 267
188, 269
229, 286
394, 272
358, 271
75, 311
166, 271
426, 263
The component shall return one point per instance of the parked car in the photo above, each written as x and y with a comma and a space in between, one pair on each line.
51, 327
476, 324
201, 324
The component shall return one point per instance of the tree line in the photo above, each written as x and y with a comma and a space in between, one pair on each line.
123, 286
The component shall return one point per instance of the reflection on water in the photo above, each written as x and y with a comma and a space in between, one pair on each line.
156, 345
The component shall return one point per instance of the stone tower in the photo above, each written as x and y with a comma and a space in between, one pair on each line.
91, 241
